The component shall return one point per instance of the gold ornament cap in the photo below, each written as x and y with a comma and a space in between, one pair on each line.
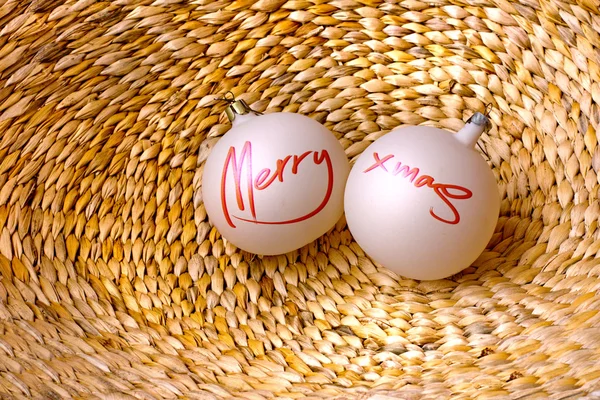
237, 107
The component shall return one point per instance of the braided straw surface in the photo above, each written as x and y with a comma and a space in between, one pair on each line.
114, 285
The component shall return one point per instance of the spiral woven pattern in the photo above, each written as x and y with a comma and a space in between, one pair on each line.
114, 285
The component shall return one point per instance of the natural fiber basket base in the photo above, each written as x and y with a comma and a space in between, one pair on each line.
115, 286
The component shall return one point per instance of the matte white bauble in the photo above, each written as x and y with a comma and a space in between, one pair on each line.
274, 182
422, 202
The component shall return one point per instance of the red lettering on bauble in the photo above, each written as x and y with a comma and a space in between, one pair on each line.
446, 192
264, 179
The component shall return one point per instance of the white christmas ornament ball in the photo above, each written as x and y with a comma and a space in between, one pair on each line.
422, 202
275, 182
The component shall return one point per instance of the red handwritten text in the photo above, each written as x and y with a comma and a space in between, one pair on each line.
264, 179
441, 189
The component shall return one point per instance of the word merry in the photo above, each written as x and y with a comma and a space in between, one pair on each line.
441, 189
264, 179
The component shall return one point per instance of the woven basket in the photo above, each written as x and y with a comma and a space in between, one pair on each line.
114, 285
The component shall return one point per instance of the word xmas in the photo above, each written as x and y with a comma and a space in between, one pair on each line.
265, 178
441, 189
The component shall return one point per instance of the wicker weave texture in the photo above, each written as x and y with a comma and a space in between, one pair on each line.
114, 285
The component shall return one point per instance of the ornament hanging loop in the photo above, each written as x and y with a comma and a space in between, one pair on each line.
488, 109
483, 150
229, 97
